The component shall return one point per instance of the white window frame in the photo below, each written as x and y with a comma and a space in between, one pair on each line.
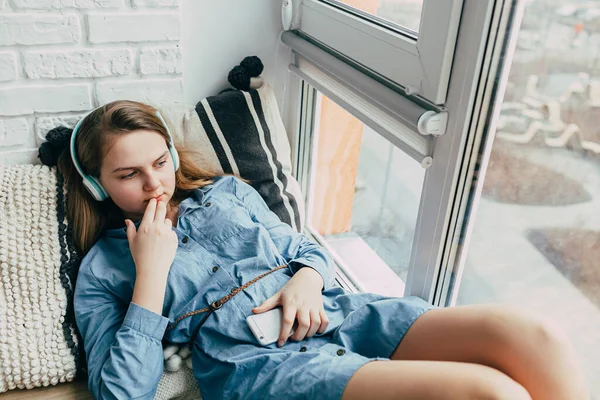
434, 273
419, 62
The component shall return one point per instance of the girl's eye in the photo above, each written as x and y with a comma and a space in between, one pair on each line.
160, 164
128, 176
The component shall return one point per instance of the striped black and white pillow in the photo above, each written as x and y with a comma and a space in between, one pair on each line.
242, 133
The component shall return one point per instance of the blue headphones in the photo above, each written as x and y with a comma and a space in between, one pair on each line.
92, 184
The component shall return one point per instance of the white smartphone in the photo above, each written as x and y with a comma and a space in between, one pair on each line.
267, 326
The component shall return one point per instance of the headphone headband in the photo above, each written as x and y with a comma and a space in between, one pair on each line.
92, 184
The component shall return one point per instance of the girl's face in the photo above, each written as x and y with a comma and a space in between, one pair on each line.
137, 168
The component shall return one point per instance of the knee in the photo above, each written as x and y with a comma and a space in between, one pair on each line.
498, 387
516, 392
508, 325
548, 334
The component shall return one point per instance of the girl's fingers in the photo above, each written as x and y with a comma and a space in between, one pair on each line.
148, 217
303, 324
130, 230
289, 315
324, 322
267, 305
315, 323
161, 212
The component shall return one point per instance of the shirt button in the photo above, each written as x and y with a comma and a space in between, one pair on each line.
302, 349
208, 204
341, 352
185, 239
215, 269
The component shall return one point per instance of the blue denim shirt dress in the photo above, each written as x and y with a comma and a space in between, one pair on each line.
228, 236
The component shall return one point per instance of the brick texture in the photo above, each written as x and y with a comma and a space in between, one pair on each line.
61, 58
8, 67
134, 27
22, 100
54, 4
44, 124
13, 132
160, 61
88, 63
155, 3
35, 29
153, 91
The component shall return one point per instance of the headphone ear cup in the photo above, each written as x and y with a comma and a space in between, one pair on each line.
174, 156
95, 188
172, 149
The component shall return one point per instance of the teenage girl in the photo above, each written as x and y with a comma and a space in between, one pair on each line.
163, 238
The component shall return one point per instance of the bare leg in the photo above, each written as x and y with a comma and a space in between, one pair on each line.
531, 351
431, 380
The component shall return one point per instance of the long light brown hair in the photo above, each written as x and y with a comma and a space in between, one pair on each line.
91, 218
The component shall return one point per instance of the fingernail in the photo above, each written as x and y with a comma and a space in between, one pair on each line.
280, 343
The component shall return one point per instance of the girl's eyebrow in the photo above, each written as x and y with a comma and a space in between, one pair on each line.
126, 168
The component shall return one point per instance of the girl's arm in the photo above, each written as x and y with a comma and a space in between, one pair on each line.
122, 341
297, 249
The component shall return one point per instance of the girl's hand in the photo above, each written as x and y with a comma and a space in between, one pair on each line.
301, 299
154, 244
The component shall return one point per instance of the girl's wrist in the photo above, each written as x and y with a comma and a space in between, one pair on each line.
149, 292
312, 275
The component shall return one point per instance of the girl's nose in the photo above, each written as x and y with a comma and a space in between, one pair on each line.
152, 182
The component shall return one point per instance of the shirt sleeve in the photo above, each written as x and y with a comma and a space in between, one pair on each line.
123, 343
297, 248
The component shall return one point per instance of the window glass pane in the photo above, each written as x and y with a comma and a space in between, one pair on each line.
364, 199
401, 13
536, 240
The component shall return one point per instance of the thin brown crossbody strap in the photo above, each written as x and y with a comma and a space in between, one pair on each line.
219, 303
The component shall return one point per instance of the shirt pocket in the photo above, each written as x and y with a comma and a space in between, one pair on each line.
222, 220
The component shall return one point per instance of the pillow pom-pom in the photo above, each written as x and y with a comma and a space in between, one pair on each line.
47, 155
253, 65
57, 140
239, 78
59, 136
173, 364
176, 356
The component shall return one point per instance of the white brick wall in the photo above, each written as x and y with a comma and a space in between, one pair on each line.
154, 3
160, 61
38, 28
82, 4
86, 63
147, 91
8, 66
14, 131
61, 58
134, 27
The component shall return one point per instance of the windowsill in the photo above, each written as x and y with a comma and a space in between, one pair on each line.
366, 267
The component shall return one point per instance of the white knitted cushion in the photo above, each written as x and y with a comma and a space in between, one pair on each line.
39, 345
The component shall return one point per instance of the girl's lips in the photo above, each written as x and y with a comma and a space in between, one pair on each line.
158, 198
